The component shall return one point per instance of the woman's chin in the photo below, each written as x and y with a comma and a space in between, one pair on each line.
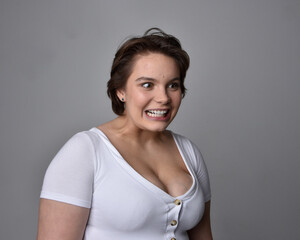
157, 126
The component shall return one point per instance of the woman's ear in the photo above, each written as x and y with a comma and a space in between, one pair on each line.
121, 95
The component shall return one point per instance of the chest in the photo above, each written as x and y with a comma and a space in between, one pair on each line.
162, 165
126, 200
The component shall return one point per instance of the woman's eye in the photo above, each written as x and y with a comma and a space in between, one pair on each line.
147, 85
174, 85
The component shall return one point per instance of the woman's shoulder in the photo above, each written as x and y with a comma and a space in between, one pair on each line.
85, 140
180, 139
187, 146
85, 136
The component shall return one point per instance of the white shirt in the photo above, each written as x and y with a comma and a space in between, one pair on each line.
89, 172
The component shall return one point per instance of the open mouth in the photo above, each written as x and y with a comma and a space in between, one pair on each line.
157, 113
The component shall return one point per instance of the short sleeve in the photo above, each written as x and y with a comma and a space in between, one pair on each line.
202, 173
70, 175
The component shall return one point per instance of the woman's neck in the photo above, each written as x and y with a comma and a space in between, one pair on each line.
121, 128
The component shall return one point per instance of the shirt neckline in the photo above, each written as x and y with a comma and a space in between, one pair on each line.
145, 182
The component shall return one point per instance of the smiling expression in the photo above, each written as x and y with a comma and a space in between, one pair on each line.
152, 93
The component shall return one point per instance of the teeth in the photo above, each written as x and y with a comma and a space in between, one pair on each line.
156, 113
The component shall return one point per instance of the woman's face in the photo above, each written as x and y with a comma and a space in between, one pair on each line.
152, 93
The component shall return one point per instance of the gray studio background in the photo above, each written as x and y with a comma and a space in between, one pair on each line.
241, 109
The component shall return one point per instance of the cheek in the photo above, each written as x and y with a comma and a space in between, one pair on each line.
138, 100
176, 99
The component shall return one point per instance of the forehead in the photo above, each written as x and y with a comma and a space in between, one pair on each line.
155, 65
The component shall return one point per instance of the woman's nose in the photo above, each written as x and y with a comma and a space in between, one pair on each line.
162, 96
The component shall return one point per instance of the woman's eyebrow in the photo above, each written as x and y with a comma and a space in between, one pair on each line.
175, 79
153, 79
145, 79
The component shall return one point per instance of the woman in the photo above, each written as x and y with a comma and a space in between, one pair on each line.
130, 178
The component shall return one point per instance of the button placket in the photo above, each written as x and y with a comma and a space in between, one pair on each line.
173, 218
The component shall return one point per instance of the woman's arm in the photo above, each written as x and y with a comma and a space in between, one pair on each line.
202, 231
61, 221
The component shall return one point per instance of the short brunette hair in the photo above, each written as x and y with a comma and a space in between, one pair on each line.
153, 41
